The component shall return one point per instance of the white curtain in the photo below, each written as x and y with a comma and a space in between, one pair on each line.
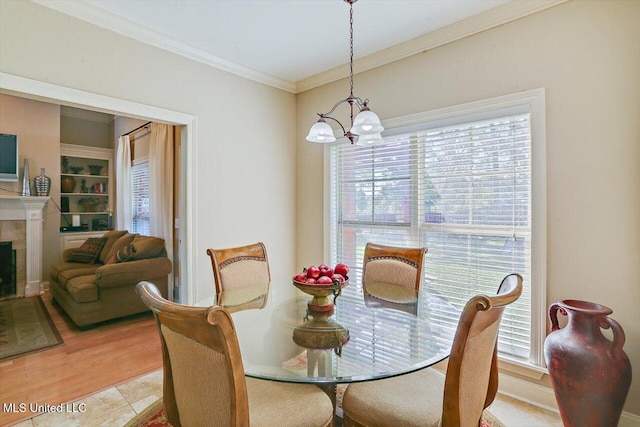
161, 184
124, 217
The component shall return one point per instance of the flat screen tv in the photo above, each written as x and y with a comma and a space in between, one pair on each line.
8, 157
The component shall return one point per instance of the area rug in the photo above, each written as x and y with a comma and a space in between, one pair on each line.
25, 327
152, 416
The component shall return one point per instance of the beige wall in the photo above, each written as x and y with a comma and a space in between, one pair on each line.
253, 183
586, 55
86, 132
37, 125
140, 139
245, 157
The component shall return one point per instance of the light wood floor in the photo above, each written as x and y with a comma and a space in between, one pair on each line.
89, 361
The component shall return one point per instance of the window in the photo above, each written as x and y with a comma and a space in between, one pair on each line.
462, 187
140, 198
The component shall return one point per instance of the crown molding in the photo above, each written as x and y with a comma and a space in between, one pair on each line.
110, 21
489, 19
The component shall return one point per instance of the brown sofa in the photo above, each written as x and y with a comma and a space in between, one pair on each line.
97, 281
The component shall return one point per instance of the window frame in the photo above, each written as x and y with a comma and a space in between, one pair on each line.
531, 101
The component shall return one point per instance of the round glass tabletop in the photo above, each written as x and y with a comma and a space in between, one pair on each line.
361, 338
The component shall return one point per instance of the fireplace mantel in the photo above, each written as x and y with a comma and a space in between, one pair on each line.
28, 209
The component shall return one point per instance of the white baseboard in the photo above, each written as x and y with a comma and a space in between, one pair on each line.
525, 391
32, 288
543, 397
629, 420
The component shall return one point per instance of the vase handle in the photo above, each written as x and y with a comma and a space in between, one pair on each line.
618, 333
553, 315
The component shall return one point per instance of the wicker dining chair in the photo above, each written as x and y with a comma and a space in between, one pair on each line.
392, 273
204, 381
429, 398
241, 266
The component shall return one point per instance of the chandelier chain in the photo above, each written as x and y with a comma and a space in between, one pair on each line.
366, 124
351, 47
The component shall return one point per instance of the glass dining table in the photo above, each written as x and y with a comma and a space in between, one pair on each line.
358, 338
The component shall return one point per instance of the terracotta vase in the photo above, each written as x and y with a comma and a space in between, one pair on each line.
590, 373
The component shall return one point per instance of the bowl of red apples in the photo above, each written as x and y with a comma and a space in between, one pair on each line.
321, 281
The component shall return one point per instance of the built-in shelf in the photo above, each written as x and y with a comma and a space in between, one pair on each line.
85, 194
79, 175
86, 213
86, 173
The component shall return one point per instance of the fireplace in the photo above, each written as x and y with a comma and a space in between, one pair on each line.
27, 210
7, 270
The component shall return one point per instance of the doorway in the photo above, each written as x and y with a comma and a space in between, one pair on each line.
46, 92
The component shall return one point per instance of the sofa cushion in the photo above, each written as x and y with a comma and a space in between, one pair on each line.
130, 273
89, 251
60, 267
122, 241
83, 288
64, 277
111, 236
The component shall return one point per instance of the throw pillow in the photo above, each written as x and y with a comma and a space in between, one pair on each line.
112, 237
144, 247
125, 254
89, 251
123, 241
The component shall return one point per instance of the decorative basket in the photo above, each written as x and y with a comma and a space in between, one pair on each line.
90, 204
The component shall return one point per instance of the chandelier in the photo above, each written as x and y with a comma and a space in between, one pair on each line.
366, 126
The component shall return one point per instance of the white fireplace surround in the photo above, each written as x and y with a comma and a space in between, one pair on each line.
28, 209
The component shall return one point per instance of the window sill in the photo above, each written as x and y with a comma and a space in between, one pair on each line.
521, 368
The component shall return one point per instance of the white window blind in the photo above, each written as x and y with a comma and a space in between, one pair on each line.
463, 191
140, 198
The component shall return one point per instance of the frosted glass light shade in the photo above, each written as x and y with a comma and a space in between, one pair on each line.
370, 139
366, 123
321, 132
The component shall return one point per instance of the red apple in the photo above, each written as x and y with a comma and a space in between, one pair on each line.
324, 280
300, 277
337, 277
311, 281
342, 269
326, 272
323, 266
313, 272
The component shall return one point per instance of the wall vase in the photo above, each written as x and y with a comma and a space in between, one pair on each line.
590, 373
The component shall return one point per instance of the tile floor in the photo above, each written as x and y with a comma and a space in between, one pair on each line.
112, 407
117, 405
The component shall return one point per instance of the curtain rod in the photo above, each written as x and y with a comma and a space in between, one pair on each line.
136, 129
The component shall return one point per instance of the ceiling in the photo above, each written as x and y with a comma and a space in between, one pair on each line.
285, 42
